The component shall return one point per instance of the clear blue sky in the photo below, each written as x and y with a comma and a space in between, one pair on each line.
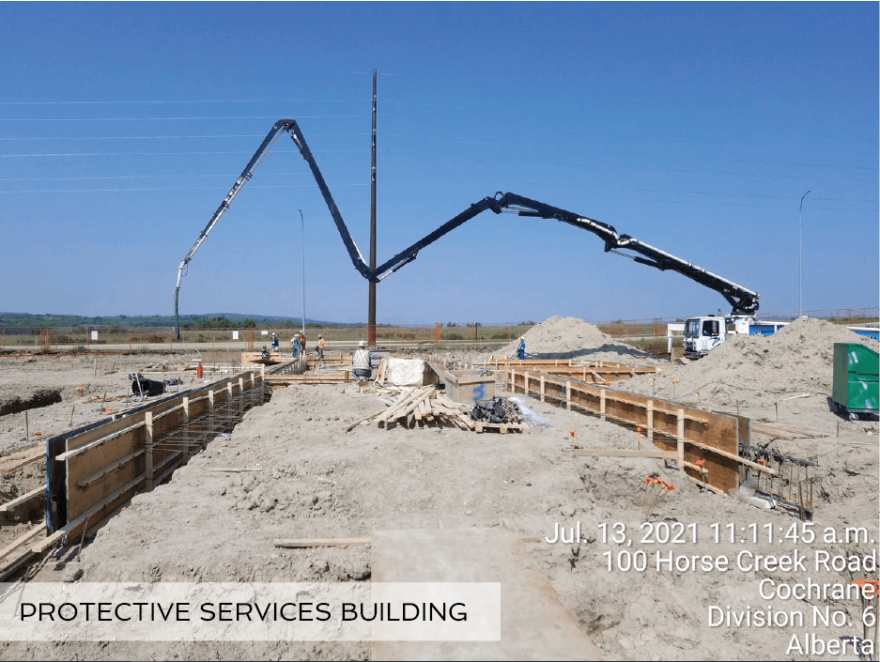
694, 127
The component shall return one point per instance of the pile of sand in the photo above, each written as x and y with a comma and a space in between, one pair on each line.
798, 359
569, 337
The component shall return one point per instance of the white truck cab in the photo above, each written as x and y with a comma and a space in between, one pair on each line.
701, 334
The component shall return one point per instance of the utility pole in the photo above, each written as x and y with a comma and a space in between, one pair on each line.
371, 315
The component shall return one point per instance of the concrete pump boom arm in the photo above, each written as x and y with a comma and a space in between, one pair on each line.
265, 147
742, 300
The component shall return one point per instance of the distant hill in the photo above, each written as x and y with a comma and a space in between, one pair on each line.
215, 320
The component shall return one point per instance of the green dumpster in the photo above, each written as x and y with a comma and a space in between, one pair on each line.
855, 389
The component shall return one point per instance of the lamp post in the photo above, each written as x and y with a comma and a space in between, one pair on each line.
801, 257
303, 226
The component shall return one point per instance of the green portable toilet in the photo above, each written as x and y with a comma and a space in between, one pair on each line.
855, 389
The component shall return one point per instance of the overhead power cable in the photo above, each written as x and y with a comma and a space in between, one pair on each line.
584, 165
158, 119
169, 101
10, 156
175, 176
175, 188
241, 135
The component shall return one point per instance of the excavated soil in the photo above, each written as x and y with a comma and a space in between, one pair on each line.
790, 372
43, 397
573, 338
60, 393
316, 480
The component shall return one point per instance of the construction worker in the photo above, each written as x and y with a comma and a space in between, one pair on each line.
521, 350
295, 344
360, 362
274, 343
321, 347
302, 342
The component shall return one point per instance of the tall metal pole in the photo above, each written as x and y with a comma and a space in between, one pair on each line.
371, 315
303, 226
801, 257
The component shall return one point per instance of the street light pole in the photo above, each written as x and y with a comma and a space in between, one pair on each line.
801, 257
303, 226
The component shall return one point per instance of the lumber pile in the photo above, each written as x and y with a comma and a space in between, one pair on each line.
429, 406
425, 406
106, 398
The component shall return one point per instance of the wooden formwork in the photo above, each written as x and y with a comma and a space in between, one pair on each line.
93, 471
595, 372
692, 434
340, 377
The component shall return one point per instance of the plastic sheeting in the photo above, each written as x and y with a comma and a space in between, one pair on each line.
405, 372
529, 416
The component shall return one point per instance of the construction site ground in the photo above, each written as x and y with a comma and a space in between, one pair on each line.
312, 479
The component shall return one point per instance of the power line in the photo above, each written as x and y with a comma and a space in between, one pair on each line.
175, 176
287, 151
175, 188
592, 136
223, 136
264, 175
557, 164
292, 186
169, 101
565, 151
662, 155
161, 119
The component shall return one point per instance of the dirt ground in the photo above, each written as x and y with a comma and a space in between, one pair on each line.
80, 390
316, 480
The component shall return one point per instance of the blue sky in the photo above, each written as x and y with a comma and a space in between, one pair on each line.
694, 127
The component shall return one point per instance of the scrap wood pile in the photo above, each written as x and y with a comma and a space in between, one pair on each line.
429, 406
107, 398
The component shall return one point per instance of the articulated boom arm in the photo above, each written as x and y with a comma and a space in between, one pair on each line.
265, 147
743, 301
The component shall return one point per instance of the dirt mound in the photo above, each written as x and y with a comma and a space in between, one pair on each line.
799, 359
569, 337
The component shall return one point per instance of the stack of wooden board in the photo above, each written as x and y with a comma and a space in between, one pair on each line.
428, 406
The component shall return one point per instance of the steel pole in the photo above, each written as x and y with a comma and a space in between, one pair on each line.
371, 313
801, 257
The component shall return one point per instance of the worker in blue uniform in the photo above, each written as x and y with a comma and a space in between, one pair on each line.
521, 350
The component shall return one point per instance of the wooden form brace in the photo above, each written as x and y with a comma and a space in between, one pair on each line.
338, 377
691, 434
597, 372
106, 465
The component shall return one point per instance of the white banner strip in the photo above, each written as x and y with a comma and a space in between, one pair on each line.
250, 612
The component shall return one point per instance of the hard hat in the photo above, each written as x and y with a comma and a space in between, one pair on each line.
362, 343
319, 337
522, 337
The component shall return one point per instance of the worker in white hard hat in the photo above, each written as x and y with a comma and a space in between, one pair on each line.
321, 347
361, 367
521, 350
